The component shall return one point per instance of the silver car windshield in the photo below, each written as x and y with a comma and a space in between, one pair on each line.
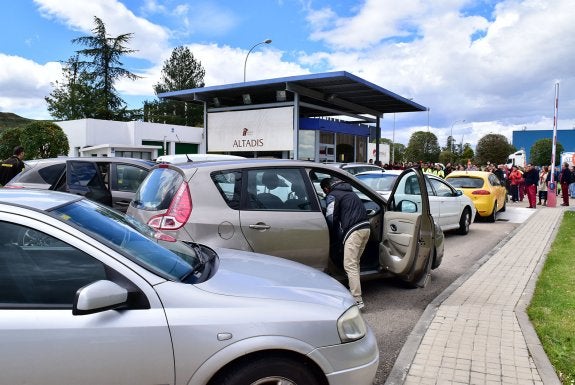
170, 259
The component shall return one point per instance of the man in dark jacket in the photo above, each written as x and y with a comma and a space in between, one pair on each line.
12, 166
565, 178
531, 176
347, 219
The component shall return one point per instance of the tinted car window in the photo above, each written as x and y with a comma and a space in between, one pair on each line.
51, 174
157, 191
36, 268
128, 178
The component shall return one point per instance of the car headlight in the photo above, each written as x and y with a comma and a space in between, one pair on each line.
350, 325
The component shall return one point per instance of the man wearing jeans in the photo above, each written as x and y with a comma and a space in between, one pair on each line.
347, 219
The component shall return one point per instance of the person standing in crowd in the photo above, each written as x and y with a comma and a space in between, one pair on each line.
347, 219
514, 179
531, 177
438, 171
543, 185
12, 166
565, 179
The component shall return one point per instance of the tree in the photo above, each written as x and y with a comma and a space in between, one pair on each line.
180, 72
88, 90
493, 148
467, 153
9, 139
541, 152
71, 98
422, 146
42, 139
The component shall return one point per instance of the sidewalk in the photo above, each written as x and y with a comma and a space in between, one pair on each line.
476, 331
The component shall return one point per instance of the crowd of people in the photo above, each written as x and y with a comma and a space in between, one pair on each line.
529, 181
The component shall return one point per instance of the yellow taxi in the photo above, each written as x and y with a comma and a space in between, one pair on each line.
485, 190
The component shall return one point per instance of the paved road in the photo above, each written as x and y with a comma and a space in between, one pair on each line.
393, 309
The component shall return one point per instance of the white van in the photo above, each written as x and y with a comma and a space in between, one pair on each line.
183, 158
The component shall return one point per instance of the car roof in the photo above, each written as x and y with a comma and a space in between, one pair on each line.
476, 174
108, 159
382, 172
37, 199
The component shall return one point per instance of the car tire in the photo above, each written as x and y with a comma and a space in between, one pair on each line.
269, 371
464, 222
493, 215
504, 206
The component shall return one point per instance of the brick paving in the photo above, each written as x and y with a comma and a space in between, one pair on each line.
476, 336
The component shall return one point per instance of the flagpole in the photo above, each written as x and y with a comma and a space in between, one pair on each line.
552, 188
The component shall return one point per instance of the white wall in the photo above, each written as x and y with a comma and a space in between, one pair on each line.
94, 132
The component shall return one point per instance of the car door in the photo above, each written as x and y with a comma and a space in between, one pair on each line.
84, 178
408, 230
449, 203
273, 222
43, 343
499, 189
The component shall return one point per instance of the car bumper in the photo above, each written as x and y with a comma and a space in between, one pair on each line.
350, 363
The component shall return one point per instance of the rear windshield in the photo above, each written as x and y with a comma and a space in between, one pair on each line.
381, 182
158, 189
465, 182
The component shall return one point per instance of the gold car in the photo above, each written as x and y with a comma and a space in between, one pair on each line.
484, 189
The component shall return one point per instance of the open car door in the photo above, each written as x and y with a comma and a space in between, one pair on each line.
84, 178
408, 230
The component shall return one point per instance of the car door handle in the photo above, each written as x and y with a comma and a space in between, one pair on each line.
260, 226
393, 227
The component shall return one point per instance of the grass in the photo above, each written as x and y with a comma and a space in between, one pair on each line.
552, 309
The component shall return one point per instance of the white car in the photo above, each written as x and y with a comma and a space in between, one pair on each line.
450, 208
90, 296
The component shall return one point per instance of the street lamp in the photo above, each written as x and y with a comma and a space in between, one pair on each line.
266, 41
451, 134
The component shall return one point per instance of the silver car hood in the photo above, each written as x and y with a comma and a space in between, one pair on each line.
246, 274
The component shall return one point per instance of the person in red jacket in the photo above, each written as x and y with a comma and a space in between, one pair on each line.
515, 177
531, 177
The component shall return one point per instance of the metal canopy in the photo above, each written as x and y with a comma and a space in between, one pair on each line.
320, 95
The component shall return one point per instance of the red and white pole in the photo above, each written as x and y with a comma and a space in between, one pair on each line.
552, 186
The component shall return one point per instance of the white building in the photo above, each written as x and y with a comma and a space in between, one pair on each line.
93, 137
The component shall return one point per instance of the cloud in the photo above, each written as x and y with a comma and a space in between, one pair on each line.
149, 40
24, 84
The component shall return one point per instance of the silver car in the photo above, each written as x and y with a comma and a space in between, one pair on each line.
89, 296
276, 207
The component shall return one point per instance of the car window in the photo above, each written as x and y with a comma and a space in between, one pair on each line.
465, 182
170, 259
277, 189
51, 174
158, 189
407, 196
229, 184
430, 190
494, 180
128, 177
379, 182
38, 269
441, 188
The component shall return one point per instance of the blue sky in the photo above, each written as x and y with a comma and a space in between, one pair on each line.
482, 66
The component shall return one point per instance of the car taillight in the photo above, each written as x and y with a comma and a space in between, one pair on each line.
178, 212
480, 192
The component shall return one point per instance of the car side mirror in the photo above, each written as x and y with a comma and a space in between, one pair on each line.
458, 193
99, 296
407, 207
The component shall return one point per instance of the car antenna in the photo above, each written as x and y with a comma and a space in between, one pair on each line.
179, 141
